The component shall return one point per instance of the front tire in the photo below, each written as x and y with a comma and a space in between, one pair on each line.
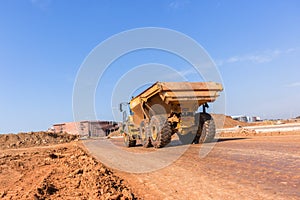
128, 141
144, 135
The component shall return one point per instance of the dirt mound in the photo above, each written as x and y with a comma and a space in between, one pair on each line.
262, 123
22, 140
115, 133
240, 132
63, 171
223, 121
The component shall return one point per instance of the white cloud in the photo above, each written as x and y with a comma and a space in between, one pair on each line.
42, 4
187, 72
257, 57
296, 84
291, 50
176, 4
179, 75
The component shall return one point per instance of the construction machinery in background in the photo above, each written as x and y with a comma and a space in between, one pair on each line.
167, 108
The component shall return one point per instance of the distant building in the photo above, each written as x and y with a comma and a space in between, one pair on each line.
86, 128
240, 118
255, 119
244, 118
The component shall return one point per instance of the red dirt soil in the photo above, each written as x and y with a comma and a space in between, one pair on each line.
60, 171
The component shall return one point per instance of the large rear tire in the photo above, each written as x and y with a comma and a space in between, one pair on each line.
144, 135
206, 129
160, 131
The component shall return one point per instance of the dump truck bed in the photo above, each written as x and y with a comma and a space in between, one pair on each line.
168, 93
202, 92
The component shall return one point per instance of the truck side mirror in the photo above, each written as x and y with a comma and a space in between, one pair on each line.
121, 107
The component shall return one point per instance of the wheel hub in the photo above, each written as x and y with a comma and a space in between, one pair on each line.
154, 132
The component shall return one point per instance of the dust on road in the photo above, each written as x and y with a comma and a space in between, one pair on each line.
237, 168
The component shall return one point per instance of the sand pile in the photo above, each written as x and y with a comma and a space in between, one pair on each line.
223, 121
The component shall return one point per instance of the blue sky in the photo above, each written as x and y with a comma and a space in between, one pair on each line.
255, 44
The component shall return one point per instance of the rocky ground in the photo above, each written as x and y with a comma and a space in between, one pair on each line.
43, 165
58, 171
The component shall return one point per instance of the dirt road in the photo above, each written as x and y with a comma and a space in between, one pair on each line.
236, 168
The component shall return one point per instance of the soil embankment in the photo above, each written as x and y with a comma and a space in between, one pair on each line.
53, 166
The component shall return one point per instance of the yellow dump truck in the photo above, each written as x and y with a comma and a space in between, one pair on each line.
167, 108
